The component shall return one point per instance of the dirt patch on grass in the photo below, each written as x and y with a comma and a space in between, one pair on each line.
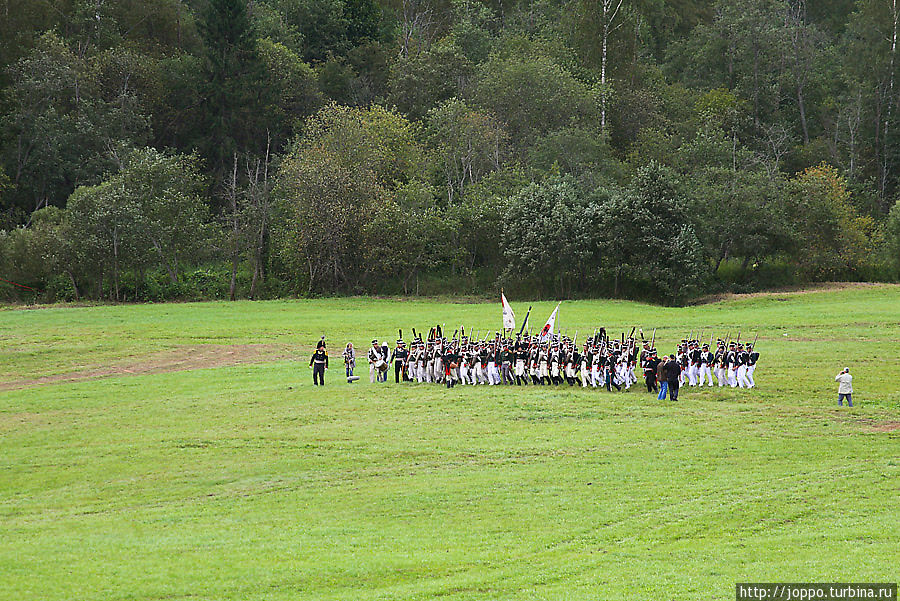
866, 424
885, 427
790, 291
182, 358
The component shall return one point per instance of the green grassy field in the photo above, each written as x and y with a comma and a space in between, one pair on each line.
180, 451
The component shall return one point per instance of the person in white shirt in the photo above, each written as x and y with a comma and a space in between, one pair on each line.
845, 387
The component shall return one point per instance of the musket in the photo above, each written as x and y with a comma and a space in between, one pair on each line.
653, 338
754, 341
739, 337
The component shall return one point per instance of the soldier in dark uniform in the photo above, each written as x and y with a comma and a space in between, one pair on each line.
651, 362
506, 362
450, 362
319, 363
398, 357
751, 366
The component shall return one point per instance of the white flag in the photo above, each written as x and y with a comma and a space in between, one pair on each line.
509, 318
547, 330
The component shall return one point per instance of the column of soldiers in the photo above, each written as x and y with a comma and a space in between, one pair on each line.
733, 363
554, 360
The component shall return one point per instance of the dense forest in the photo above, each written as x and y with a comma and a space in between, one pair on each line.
659, 149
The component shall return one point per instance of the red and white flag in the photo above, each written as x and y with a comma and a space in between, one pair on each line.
547, 330
509, 318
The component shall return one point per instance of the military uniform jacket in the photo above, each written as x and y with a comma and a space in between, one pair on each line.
320, 356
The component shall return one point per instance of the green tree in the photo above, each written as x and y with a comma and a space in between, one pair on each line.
166, 189
834, 240
532, 97
468, 144
421, 81
60, 126
647, 236
551, 237
892, 236
234, 90
348, 164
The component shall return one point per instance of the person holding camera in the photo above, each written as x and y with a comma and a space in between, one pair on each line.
845, 387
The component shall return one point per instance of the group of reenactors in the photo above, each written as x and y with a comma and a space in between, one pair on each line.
555, 359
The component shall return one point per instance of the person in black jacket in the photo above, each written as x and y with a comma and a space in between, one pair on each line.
398, 358
319, 363
673, 371
651, 362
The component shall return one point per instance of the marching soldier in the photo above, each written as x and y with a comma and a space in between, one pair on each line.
751, 365
743, 358
706, 360
721, 363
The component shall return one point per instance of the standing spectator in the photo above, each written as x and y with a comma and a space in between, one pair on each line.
845, 387
662, 377
349, 359
673, 372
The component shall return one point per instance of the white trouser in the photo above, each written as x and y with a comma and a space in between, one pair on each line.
743, 382
554, 369
691, 373
750, 370
463, 373
373, 373
705, 374
481, 373
595, 375
585, 374
720, 376
520, 368
732, 378
493, 373
438, 369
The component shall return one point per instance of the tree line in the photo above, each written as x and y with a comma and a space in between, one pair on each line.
630, 148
